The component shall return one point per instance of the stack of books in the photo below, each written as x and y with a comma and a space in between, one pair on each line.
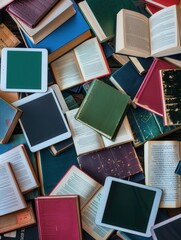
90, 120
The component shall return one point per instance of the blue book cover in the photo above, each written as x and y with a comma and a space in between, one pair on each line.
73, 28
52, 168
128, 79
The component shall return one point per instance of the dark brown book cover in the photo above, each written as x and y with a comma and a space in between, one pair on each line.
120, 161
31, 11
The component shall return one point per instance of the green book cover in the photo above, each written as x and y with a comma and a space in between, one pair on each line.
103, 109
105, 13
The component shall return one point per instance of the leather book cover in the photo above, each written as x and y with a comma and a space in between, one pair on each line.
31, 11
58, 217
120, 161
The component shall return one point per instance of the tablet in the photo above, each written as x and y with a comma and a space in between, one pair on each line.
42, 120
24, 70
128, 206
169, 229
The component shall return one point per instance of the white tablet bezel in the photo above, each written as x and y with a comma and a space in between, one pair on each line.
158, 225
53, 140
104, 198
44, 69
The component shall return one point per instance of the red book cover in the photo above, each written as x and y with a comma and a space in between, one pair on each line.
58, 217
152, 8
163, 3
149, 95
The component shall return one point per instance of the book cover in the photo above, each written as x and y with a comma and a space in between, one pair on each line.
101, 15
103, 100
58, 217
31, 11
128, 79
12, 198
52, 168
171, 86
119, 161
61, 146
65, 37
162, 3
8, 120
146, 125
151, 84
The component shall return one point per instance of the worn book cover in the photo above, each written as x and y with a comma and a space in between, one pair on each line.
103, 109
58, 217
119, 161
31, 11
171, 93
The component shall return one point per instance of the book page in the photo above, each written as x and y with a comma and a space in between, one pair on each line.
85, 138
124, 135
163, 30
11, 197
133, 33
76, 181
21, 168
161, 159
66, 71
88, 216
91, 60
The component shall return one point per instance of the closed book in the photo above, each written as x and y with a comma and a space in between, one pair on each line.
31, 11
8, 120
151, 84
127, 78
103, 109
119, 161
101, 15
58, 217
64, 38
171, 95
59, 14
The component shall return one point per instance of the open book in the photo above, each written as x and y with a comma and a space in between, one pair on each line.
11, 197
83, 63
161, 159
87, 139
22, 167
75, 181
156, 36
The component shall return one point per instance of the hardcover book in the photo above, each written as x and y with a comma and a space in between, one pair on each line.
100, 101
101, 15
162, 3
58, 217
8, 120
146, 125
31, 11
84, 63
160, 161
12, 199
127, 78
75, 181
151, 84
88, 140
75, 29
22, 167
119, 161
171, 95
59, 14
149, 34
16, 220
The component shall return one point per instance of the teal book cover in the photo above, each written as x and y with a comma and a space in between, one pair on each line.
103, 109
52, 168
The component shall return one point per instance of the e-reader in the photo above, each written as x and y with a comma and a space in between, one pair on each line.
42, 121
128, 206
24, 70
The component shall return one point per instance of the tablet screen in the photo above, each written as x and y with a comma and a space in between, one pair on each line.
128, 206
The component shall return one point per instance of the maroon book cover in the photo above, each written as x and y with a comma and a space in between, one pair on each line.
149, 95
58, 217
31, 12
119, 161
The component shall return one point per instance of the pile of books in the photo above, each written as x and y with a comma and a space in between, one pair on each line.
90, 119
